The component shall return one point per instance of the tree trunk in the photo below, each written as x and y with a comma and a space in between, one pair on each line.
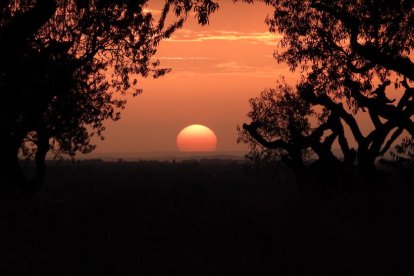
11, 174
40, 161
366, 164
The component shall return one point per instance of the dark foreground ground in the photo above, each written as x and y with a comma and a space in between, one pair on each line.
204, 218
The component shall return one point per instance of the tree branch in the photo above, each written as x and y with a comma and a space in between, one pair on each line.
409, 93
392, 139
399, 64
309, 94
278, 144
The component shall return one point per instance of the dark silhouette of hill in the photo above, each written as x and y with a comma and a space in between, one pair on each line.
203, 218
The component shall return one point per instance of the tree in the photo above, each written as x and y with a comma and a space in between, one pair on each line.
343, 49
282, 125
65, 65
280, 122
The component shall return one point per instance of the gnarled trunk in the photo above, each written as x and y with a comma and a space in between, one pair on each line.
366, 162
40, 161
11, 173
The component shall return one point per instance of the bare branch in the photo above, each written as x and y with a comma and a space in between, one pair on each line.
278, 144
392, 139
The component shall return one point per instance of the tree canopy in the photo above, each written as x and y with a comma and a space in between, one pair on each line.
348, 54
65, 65
280, 120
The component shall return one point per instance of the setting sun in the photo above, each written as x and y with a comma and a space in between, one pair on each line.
196, 138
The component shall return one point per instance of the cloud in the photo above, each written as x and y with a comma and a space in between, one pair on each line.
208, 66
184, 58
257, 73
154, 12
234, 66
266, 38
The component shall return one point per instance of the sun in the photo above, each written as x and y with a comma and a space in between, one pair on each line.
196, 138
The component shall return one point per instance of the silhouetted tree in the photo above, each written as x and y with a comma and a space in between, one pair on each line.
289, 127
404, 151
280, 123
342, 49
64, 66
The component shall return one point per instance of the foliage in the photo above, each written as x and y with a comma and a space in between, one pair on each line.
283, 117
343, 49
404, 151
78, 59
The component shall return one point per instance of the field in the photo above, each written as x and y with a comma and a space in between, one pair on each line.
208, 217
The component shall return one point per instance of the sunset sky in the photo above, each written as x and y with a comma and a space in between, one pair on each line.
215, 70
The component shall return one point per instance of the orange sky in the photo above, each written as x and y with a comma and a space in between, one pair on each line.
215, 70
